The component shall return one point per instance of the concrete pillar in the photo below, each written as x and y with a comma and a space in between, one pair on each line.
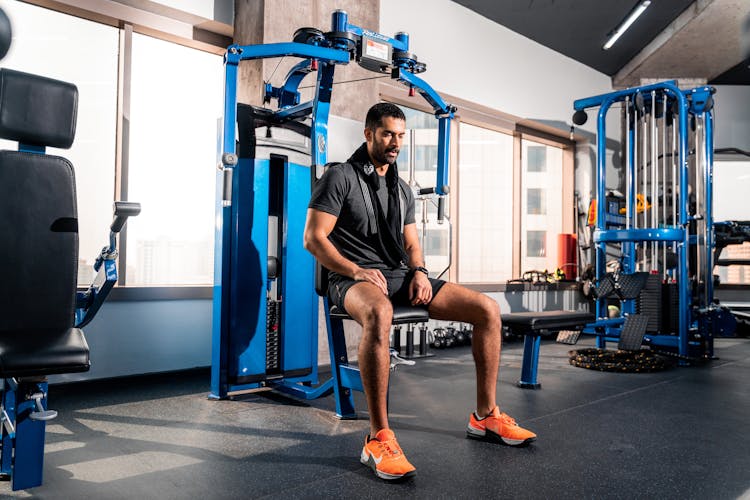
248, 30
273, 21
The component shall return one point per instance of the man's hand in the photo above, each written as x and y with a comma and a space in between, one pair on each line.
420, 289
373, 276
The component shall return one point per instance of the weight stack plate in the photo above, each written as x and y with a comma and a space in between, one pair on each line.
649, 303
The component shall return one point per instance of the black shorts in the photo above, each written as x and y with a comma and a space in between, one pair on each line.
398, 286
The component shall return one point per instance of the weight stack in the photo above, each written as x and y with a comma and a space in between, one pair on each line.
273, 340
649, 303
670, 308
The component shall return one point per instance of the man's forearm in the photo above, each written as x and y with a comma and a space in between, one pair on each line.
416, 259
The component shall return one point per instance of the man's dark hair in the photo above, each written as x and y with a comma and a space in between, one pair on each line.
378, 111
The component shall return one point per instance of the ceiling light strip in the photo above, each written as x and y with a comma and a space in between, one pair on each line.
627, 23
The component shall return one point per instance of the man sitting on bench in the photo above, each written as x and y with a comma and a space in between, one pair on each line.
361, 226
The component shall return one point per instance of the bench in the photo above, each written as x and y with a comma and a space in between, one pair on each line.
531, 325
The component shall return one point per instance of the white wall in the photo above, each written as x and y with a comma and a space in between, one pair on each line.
732, 117
471, 57
218, 10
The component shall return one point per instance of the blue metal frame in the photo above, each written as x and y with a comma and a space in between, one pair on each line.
242, 227
695, 102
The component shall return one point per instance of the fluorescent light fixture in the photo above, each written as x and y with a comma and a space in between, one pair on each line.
622, 28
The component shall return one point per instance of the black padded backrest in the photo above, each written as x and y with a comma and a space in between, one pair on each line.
39, 243
36, 110
321, 279
38, 214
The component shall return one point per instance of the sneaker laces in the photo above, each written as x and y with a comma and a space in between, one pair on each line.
390, 447
507, 419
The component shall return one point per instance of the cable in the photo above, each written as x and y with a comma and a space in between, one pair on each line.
350, 81
274, 70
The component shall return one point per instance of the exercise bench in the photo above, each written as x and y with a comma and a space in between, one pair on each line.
532, 325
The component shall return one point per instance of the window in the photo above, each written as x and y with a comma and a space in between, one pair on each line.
536, 244
535, 201
176, 102
417, 164
536, 160
732, 180
84, 53
485, 205
542, 168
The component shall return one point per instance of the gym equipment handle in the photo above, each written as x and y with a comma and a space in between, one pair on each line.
123, 210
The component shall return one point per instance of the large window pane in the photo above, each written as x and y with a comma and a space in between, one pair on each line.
417, 164
731, 185
176, 100
84, 53
541, 219
485, 205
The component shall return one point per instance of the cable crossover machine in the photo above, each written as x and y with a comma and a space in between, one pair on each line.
660, 233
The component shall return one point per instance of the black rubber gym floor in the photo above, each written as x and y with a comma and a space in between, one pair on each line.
682, 433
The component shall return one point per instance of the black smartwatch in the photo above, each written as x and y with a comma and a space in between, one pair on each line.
421, 270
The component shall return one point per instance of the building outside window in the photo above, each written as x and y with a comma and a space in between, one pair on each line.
542, 179
485, 205
176, 101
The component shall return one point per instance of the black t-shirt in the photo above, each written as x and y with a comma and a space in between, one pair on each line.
338, 193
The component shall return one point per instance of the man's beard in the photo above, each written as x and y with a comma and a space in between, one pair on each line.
379, 155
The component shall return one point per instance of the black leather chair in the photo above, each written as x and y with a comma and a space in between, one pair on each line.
38, 265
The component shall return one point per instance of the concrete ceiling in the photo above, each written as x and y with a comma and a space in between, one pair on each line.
696, 41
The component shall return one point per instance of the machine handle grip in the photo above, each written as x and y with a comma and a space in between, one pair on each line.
441, 209
427, 190
227, 186
123, 210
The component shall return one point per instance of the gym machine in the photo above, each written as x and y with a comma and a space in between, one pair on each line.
41, 311
661, 231
265, 308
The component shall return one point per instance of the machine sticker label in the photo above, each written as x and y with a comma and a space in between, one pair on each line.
377, 49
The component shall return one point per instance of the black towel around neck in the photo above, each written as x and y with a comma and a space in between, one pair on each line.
390, 233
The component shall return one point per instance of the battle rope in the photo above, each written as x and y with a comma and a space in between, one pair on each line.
641, 361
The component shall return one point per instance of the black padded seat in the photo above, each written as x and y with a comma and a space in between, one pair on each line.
527, 322
39, 228
26, 353
401, 314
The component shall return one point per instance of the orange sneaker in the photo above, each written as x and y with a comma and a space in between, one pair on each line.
498, 427
384, 456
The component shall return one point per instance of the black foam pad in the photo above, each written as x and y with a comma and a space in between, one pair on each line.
36, 110
43, 352
401, 314
529, 322
39, 246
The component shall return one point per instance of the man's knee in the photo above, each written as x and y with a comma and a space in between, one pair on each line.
376, 320
489, 312
380, 313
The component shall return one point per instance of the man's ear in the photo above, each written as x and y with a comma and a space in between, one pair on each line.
368, 134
